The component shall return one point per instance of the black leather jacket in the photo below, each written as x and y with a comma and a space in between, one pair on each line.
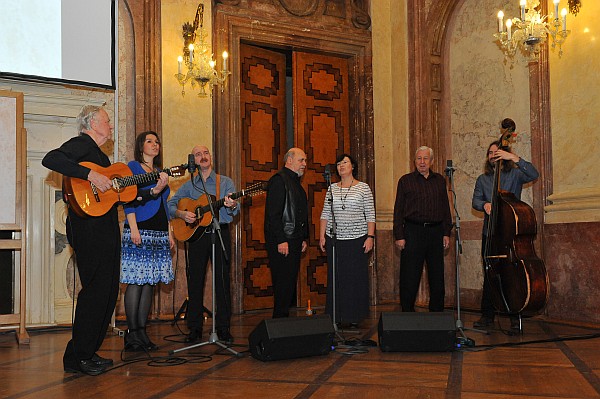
286, 210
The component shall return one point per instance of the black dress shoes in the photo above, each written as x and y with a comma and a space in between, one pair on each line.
195, 335
101, 361
483, 322
225, 336
149, 345
88, 367
133, 341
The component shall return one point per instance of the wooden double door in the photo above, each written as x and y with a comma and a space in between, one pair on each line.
314, 104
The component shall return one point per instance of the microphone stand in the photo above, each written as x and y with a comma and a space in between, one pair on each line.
213, 338
333, 233
329, 195
463, 340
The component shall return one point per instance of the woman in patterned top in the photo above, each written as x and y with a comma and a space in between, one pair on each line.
350, 205
146, 245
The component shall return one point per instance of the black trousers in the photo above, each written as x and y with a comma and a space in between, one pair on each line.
199, 253
97, 246
423, 244
284, 274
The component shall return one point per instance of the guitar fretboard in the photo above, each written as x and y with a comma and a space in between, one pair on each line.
219, 203
140, 179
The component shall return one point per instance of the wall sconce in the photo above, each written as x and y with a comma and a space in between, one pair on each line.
528, 31
198, 58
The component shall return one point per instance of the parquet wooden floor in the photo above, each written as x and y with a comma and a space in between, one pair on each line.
562, 369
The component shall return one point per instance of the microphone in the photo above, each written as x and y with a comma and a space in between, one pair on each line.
191, 165
449, 169
327, 173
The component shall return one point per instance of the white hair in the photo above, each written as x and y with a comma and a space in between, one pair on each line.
425, 148
84, 119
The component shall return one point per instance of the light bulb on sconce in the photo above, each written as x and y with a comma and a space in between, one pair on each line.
201, 68
531, 29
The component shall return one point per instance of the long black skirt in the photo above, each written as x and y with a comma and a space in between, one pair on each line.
352, 280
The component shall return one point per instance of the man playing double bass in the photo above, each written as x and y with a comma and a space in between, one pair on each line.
514, 174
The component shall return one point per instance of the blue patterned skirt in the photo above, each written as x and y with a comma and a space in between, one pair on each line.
148, 263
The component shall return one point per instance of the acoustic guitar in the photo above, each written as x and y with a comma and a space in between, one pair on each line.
184, 231
86, 200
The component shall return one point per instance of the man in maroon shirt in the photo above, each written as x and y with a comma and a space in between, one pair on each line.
422, 225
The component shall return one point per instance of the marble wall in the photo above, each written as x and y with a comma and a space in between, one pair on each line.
484, 88
392, 152
49, 119
575, 95
187, 119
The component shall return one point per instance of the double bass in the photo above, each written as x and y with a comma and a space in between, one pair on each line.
517, 277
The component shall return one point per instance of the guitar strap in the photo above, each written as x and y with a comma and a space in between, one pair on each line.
218, 187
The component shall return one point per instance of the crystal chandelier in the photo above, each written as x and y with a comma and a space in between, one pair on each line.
198, 58
530, 30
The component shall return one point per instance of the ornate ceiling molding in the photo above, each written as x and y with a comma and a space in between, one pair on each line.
355, 13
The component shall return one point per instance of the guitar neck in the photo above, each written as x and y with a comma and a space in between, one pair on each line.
219, 203
134, 180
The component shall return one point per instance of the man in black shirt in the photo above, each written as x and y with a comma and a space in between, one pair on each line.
422, 225
95, 240
286, 228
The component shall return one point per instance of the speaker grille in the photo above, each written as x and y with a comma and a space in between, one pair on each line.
416, 332
276, 339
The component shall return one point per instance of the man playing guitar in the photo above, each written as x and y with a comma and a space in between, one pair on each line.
200, 250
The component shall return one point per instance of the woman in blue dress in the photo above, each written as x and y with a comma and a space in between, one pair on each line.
146, 244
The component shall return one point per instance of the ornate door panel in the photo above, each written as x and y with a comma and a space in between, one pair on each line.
321, 120
262, 101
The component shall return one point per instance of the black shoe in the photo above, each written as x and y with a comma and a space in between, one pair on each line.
483, 322
149, 345
88, 367
101, 361
353, 326
133, 341
194, 335
225, 336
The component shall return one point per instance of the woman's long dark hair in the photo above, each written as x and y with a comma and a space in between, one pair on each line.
139, 148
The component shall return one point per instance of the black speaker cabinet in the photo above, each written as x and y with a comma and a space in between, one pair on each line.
276, 339
416, 332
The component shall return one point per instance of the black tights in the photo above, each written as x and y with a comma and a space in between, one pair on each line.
138, 299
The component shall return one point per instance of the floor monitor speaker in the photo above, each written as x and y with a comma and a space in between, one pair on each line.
416, 332
287, 338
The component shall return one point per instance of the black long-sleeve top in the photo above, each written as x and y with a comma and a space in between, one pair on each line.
420, 200
275, 203
85, 233
65, 160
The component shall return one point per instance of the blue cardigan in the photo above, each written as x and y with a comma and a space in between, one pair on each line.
144, 210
